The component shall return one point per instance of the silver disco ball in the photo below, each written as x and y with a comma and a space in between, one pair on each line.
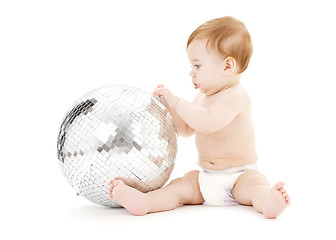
116, 131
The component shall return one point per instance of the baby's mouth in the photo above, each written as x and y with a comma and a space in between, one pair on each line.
195, 85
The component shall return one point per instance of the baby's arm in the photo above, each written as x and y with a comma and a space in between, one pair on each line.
182, 128
206, 119
218, 115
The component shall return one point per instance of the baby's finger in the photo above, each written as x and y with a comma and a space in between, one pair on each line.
156, 91
159, 91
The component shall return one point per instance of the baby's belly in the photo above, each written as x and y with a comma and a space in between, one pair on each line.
226, 148
218, 156
225, 163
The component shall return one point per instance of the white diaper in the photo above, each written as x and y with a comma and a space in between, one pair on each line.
216, 185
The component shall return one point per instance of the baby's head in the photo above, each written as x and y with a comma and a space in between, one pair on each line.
228, 37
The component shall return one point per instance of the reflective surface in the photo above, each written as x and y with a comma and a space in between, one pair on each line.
116, 131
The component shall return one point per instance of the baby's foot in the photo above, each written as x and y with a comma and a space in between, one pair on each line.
276, 201
131, 199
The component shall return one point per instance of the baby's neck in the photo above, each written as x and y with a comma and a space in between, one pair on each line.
231, 82
234, 79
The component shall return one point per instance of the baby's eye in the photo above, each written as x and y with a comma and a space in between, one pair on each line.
197, 66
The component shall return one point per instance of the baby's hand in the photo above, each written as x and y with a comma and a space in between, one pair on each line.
169, 99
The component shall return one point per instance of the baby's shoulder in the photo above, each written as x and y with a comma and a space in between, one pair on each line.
236, 93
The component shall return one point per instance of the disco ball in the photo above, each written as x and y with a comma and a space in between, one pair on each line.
116, 131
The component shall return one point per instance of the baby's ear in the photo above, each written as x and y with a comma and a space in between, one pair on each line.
229, 64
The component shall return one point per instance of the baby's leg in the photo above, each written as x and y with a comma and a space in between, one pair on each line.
183, 190
253, 189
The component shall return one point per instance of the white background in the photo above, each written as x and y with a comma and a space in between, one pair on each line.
52, 52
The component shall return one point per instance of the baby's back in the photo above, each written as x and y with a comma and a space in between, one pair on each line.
234, 144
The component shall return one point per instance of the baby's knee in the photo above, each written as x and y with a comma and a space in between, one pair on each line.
192, 175
187, 181
186, 187
176, 181
255, 177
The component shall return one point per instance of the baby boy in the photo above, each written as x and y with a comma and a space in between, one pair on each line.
220, 117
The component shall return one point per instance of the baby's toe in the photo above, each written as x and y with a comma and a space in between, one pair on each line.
115, 182
279, 185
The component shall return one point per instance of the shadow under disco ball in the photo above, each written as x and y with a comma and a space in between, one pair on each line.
116, 131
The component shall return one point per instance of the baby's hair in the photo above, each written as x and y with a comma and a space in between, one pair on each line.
228, 37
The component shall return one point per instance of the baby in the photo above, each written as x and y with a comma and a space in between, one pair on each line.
220, 117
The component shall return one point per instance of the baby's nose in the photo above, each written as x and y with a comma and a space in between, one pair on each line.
192, 74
